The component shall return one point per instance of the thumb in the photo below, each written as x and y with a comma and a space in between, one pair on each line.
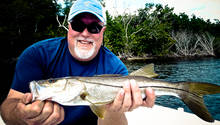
150, 100
27, 98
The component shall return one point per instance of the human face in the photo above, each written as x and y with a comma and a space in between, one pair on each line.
84, 45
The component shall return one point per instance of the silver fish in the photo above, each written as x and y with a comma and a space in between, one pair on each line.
97, 91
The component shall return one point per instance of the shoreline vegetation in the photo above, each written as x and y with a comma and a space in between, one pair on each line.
162, 58
154, 31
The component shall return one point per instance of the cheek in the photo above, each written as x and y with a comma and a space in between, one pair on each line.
99, 39
71, 33
71, 36
70, 40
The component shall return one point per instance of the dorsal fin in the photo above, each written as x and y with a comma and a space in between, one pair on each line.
147, 71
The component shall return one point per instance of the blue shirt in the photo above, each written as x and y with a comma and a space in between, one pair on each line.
51, 59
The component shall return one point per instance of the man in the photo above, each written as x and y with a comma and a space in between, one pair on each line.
80, 54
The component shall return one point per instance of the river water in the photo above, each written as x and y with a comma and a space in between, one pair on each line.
199, 70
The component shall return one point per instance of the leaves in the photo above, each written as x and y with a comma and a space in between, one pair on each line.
148, 32
141, 34
24, 22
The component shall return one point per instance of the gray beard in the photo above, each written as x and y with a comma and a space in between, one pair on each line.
84, 54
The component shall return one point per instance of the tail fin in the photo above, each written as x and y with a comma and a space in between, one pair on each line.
193, 97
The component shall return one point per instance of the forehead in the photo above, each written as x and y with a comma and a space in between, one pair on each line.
87, 17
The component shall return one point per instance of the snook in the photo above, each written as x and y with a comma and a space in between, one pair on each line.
100, 90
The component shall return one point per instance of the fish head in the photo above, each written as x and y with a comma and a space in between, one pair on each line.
46, 89
63, 90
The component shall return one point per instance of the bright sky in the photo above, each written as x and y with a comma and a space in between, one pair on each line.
206, 9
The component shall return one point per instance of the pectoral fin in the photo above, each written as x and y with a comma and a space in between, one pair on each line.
99, 110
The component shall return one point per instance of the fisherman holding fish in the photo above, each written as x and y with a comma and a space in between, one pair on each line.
80, 54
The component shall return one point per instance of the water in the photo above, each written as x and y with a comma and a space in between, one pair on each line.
200, 70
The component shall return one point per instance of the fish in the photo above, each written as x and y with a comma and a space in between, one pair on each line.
97, 91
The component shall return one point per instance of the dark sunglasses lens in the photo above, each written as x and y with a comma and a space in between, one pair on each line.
94, 28
78, 26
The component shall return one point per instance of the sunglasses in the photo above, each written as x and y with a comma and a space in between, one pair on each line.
79, 26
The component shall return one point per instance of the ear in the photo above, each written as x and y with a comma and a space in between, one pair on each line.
69, 26
104, 28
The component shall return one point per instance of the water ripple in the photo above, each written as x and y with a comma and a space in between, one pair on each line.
203, 70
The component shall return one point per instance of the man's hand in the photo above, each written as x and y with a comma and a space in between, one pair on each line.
127, 99
130, 98
40, 112
18, 108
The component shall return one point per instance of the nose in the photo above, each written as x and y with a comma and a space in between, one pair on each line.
85, 33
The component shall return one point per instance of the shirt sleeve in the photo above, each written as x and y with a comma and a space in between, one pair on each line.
28, 68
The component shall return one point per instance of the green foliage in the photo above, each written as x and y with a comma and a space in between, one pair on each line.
142, 34
24, 22
113, 35
148, 32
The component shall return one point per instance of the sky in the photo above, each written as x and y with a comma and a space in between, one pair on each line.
206, 9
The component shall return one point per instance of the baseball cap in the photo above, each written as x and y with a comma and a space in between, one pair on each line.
90, 6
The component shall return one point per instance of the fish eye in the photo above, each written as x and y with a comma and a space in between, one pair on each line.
51, 80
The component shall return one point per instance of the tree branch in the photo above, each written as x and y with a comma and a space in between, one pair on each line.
62, 23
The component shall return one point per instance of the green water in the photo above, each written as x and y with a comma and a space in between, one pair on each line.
200, 70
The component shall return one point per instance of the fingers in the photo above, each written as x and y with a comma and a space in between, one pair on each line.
27, 98
56, 116
62, 115
28, 109
150, 100
127, 97
40, 112
131, 98
136, 94
46, 112
117, 103
34, 109
51, 114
